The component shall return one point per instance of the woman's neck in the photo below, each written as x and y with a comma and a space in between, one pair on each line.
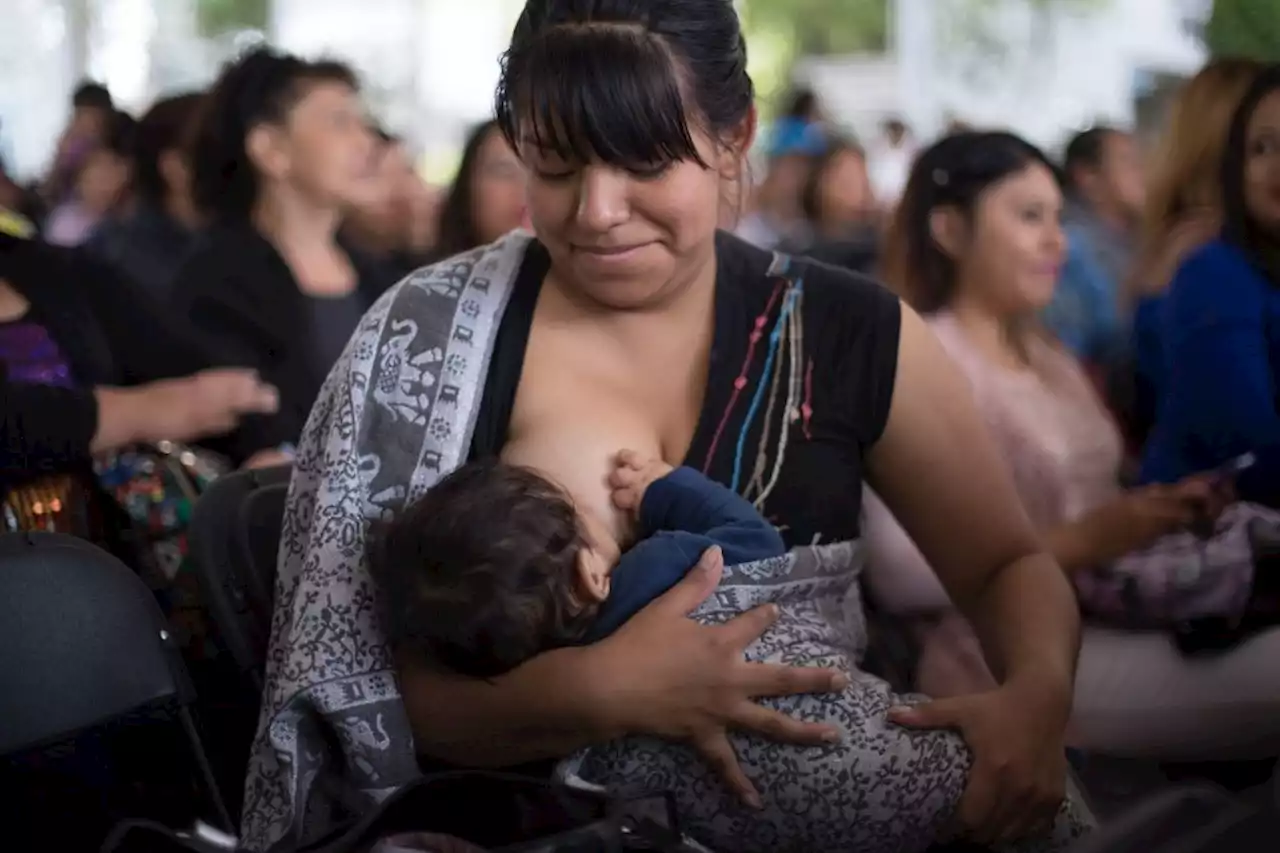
290, 221
1000, 339
305, 235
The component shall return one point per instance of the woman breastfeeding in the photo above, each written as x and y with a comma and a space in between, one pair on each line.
629, 321
976, 247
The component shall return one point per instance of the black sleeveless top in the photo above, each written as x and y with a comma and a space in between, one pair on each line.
807, 457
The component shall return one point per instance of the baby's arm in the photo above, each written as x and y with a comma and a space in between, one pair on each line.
688, 509
681, 514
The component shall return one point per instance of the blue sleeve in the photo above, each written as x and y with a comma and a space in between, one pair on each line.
1083, 314
1219, 391
704, 513
683, 514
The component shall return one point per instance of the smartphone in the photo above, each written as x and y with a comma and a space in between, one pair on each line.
1235, 467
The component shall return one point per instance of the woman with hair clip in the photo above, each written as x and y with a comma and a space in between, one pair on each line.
1183, 212
630, 321
283, 151
1218, 324
976, 247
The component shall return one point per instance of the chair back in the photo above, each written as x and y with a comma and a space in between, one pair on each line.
234, 536
83, 641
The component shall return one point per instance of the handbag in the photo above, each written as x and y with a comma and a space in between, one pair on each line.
157, 486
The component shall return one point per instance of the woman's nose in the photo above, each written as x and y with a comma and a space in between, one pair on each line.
603, 199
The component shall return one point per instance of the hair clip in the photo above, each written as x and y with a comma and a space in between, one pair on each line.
940, 177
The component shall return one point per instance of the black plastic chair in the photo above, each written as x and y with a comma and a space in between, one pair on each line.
84, 644
233, 538
1185, 819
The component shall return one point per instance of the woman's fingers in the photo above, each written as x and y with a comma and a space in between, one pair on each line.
775, 679
777, 726
718, 752
693, 589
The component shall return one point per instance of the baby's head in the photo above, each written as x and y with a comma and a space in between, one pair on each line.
493, 566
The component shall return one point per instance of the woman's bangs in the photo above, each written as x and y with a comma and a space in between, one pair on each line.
597, 94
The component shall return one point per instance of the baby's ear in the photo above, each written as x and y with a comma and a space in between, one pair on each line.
592, 582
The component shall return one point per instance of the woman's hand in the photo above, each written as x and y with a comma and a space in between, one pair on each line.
678, 679
1019, 774
207, 403
1140, 517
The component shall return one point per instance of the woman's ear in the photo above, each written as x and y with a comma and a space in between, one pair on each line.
948, 229
736, 145
266, 151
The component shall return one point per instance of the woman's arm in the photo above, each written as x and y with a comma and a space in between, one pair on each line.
941, 475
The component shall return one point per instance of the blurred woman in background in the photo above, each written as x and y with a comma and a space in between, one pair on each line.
100, 185
487, 196
1183, 212
148, 243
976, 246
841, 211
397, 226
283, 152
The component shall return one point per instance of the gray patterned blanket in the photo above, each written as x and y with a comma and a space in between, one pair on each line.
395, 415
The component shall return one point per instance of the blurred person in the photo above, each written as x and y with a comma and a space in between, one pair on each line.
1183, 211
1220, 321
92, 111
890, 158
90, 365
843, 219
149, 242
1102, 168
283, 150
976, 246
388, 227
803, 106
487, 197
101, 187
777, 216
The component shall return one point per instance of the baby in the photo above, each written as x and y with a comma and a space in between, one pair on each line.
494, 565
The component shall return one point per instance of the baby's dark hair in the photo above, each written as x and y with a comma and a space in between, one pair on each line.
478, 575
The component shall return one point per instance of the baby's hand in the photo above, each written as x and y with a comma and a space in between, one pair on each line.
631, 476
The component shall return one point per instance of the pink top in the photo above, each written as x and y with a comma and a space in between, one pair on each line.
1064, 451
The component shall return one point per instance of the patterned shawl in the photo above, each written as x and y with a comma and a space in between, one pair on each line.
395, 414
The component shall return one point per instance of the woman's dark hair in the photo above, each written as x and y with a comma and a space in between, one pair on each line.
1239, 227
92, 95
1085, 150
954, 172
619, 81
120, 135
167, 126
457, 232
801, 104
811, 195
259, 88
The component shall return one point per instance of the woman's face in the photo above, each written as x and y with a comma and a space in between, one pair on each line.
627, 240
384, 214
103, 180
1015, 248
845, 193
327, 150
498, 189
1262, 163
